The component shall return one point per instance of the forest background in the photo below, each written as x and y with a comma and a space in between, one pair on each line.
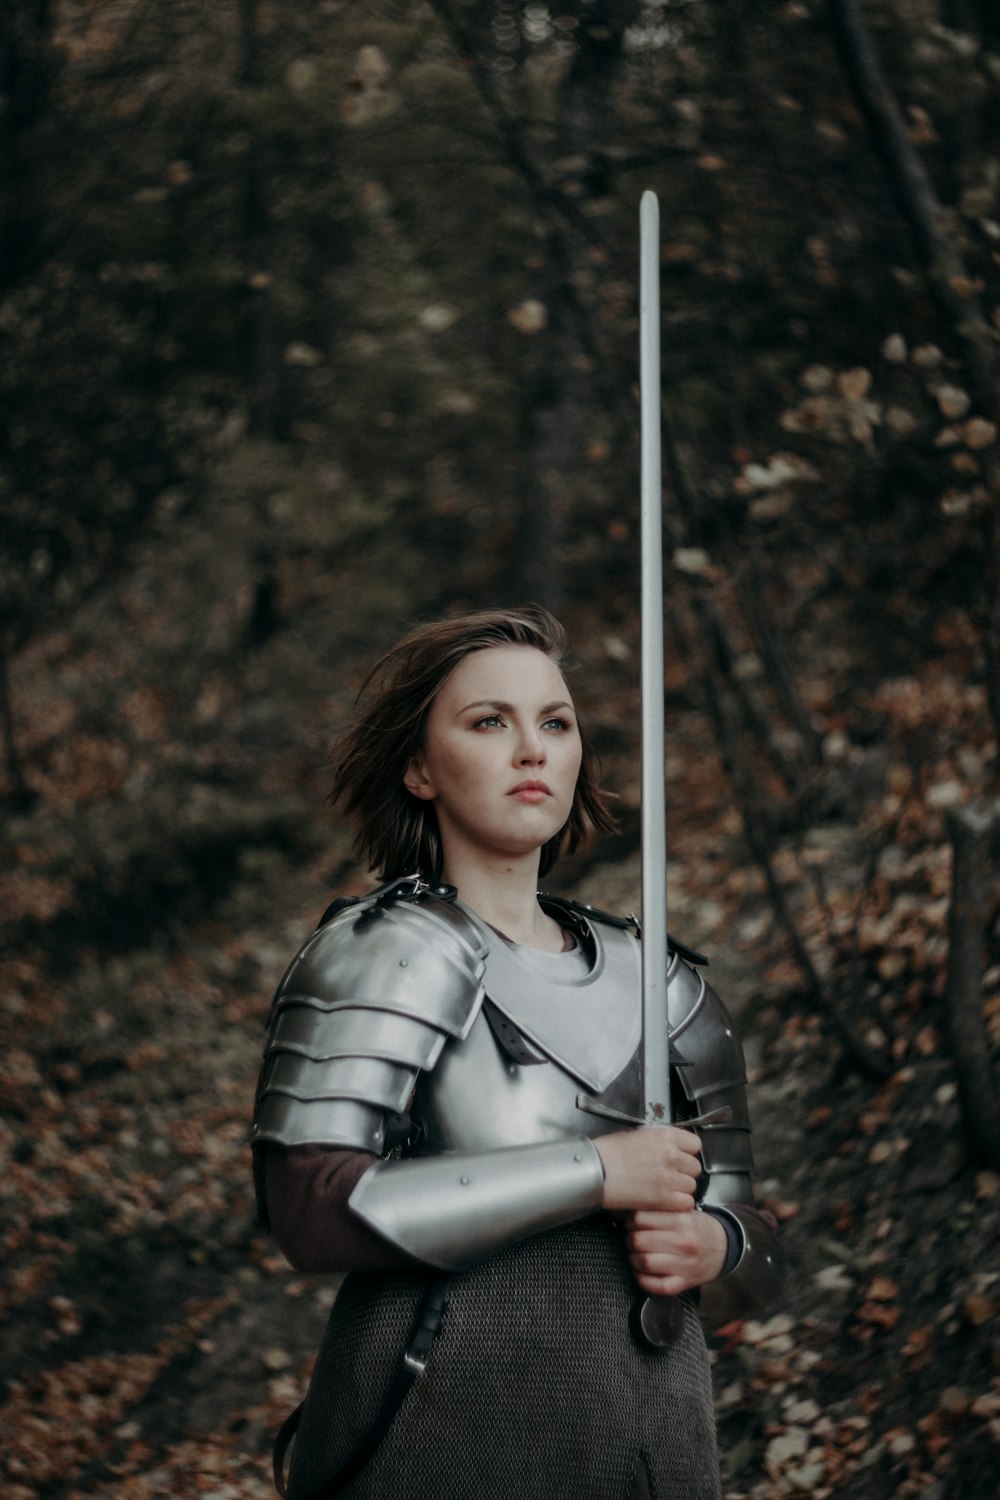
319, 319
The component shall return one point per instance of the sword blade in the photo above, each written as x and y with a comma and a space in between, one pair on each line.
659, 1320
656, 1060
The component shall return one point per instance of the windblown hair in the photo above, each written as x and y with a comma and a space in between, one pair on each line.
397, 832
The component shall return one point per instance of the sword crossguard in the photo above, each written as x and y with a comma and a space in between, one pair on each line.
591, 1106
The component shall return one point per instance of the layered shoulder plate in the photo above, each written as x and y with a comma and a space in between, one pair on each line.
420, 958
367, 1003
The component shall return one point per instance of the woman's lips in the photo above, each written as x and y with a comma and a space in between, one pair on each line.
530, 791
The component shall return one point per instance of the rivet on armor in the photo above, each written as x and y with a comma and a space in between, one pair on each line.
577, 1157
403, 962
464, 1181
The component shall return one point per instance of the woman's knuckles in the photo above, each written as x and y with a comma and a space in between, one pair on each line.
661, 1286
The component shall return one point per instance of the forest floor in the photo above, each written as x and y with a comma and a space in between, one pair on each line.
151, 1336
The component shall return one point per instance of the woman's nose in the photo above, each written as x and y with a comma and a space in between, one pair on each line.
531, 750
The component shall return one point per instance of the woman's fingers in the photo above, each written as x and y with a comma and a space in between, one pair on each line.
666, 1249
648, 1223
654, 1167
687, 1140
662, 1286
669, 1253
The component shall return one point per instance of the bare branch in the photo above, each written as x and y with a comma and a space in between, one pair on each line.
913, 190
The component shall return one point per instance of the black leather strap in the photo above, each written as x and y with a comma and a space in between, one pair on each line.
414, 1361
284, 1436
512, 1043
594, 913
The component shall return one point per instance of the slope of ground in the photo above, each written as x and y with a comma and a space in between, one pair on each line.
151, 1337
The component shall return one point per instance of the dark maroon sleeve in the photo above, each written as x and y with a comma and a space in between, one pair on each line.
735, 1248
307, 1192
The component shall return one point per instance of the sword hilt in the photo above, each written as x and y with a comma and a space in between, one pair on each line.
591, 1106
657, 1321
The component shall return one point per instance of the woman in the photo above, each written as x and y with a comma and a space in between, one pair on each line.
449, 1062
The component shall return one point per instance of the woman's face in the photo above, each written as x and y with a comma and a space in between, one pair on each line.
501, 754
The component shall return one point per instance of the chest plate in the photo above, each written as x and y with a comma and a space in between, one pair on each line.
584, 1016
477, 1099
588, 1020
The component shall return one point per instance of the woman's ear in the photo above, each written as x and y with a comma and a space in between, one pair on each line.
417, 781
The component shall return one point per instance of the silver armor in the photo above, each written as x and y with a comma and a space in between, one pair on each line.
712, 1074
584, 1021
366, 1004
382, 1012
590, 1023
454, 1209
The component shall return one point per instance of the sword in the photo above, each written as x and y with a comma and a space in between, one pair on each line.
656, 1059
659, 1318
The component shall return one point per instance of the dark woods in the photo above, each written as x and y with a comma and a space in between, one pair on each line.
320, 318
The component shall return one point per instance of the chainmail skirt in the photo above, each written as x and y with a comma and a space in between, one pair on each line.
535, 1388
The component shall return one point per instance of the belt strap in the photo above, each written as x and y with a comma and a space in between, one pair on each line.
412, 1366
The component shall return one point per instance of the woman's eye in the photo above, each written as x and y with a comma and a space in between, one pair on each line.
488, 721
559, 724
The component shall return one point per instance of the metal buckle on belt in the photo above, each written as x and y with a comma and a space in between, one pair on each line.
417, 1363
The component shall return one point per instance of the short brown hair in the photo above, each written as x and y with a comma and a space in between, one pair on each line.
397, 832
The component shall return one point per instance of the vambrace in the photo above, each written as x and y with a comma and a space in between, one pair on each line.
457, 1208
757, 1279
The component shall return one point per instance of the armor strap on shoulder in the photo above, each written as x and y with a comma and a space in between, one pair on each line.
401, 888
629, 922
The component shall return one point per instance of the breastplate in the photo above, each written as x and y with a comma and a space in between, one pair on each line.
589, 1028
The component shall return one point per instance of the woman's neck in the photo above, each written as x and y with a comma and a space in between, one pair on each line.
506, 897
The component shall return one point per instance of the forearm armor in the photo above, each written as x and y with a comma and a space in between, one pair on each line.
453, 1210
757, 1279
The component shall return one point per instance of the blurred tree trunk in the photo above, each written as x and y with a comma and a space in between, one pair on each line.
259, 338
552, 408
20, 795
911, 186
563, 388
972, 830
597, 61
948, 278
259, 335
27, 69
559, 392
982, 17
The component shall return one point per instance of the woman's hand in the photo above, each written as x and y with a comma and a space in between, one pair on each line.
671, 1252
655, 1167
